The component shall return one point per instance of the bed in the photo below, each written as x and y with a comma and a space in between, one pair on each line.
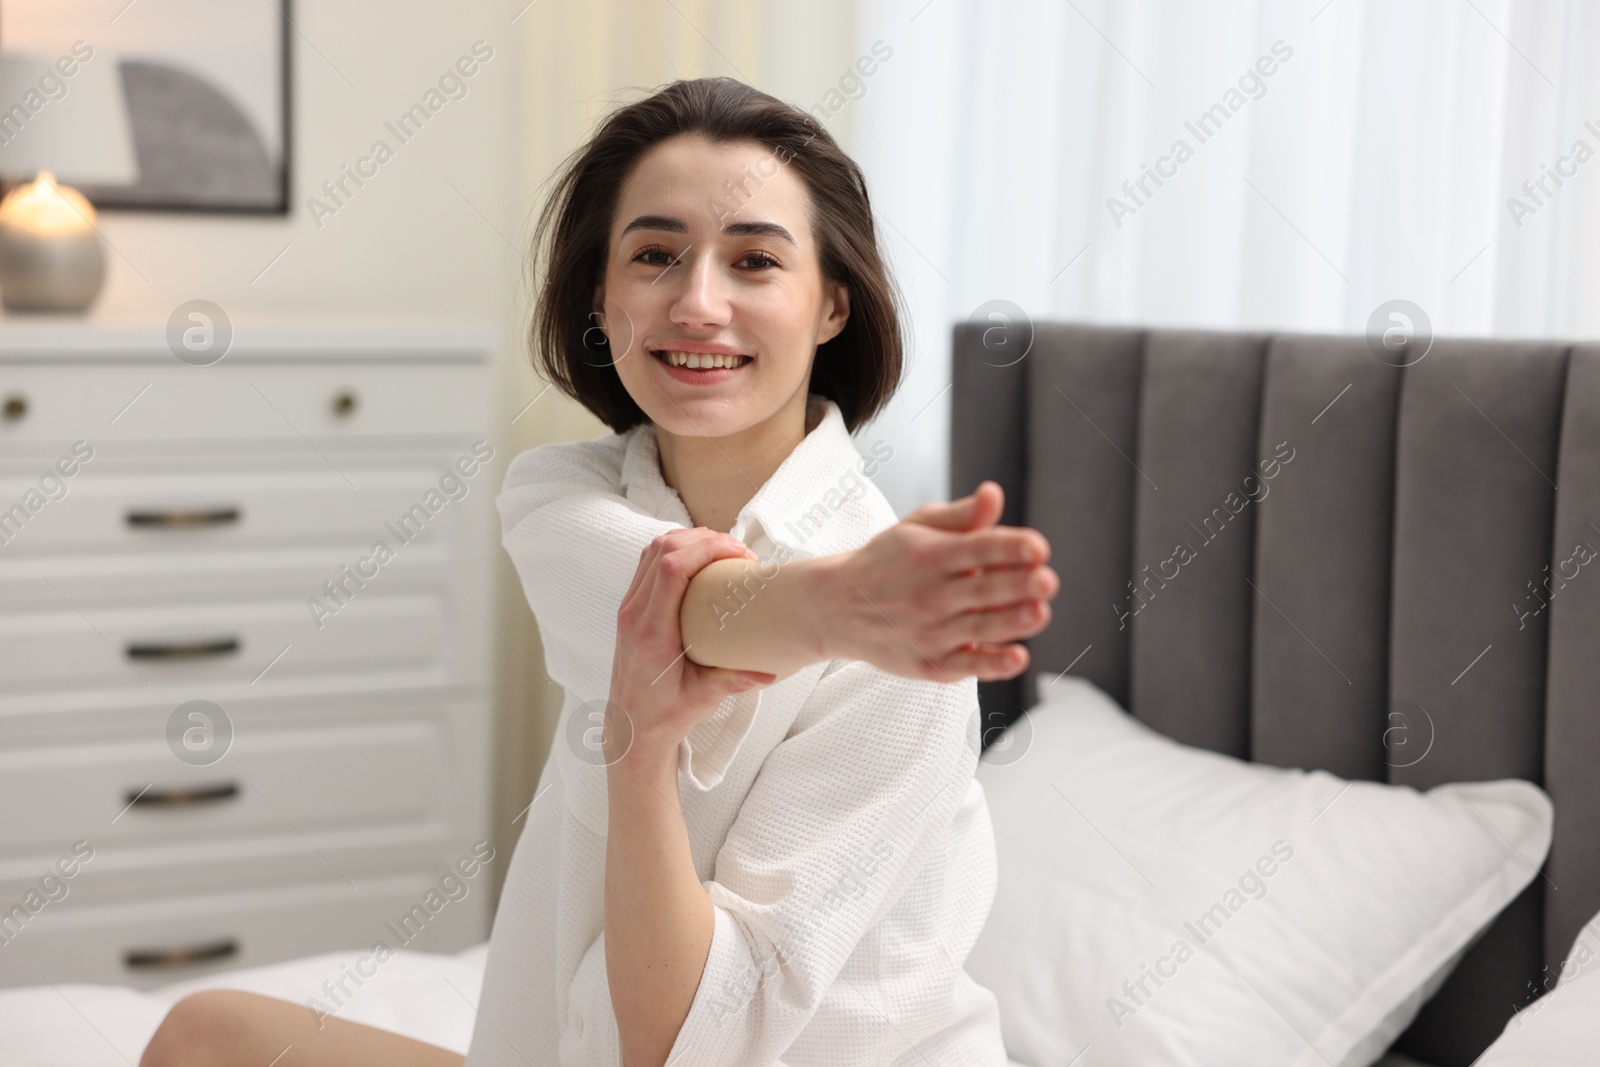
1406, 565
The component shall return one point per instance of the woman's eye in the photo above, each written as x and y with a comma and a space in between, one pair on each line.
667, 259
761, 258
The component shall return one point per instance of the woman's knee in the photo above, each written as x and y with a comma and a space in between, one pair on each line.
201, 1030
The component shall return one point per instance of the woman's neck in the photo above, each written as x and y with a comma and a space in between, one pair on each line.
716, 476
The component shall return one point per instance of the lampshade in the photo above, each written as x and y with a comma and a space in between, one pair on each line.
74, 126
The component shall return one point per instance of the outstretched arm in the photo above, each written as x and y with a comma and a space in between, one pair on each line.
935, 597
575, 537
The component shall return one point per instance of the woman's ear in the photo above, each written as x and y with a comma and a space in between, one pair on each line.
837, 313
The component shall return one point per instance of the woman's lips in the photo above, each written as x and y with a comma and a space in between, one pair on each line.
699, 375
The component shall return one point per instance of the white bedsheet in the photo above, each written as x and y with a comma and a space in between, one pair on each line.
427, 996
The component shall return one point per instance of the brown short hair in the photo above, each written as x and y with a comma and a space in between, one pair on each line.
859, 369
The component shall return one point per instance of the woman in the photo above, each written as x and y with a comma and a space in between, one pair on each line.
757, 838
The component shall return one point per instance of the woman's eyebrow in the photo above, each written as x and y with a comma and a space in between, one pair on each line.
758, 229
735, 229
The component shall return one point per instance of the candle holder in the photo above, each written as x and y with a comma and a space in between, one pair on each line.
50, 254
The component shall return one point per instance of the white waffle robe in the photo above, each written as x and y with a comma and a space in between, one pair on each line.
833, 817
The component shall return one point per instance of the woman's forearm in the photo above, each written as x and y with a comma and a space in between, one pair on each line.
758, 616
658, 918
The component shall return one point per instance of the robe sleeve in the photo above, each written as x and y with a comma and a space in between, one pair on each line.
575, 539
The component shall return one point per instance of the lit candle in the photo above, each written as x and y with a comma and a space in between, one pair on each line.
50, 255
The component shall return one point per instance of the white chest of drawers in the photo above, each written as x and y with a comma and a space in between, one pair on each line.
244, 648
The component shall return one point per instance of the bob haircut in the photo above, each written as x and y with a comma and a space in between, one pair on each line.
859, 369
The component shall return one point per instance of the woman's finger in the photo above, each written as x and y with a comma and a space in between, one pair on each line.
942, 516
640, 571
989, 501
997, 587
987, 663
981, 507
1003, 624
675, 541
684, 557
657, 547
999, 546
710, 685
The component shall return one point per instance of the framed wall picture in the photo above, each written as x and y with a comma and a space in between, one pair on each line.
207, 86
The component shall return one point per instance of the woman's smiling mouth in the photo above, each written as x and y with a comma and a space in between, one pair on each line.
700, 368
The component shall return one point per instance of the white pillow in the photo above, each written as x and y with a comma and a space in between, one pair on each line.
1561, 1028
1165, 904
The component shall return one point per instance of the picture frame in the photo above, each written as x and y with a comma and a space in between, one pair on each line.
208, 88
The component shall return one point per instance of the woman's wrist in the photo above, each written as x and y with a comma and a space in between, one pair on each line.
632, 752
823, 597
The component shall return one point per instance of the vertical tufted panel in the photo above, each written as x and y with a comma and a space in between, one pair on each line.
1572, 720
1474, 505
1323, 539
988, 421
988, 440
1475, 500
1083, 416
1194, 536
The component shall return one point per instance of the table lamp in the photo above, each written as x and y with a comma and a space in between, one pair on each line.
57, 127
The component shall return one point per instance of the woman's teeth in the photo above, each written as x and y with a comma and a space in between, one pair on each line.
699, 360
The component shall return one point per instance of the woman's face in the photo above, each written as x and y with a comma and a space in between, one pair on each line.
712, 253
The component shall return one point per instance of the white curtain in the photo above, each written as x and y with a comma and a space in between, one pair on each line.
1356, 151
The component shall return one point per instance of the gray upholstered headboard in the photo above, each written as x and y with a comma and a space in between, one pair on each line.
1396, 563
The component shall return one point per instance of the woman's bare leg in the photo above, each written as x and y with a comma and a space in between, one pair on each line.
230, 1028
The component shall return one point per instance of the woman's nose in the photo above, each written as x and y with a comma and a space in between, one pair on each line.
702, 296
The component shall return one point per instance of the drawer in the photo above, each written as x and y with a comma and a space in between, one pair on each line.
167, 400
157, 870
118, 508
126, 792
221, 641
152, 943
85, 582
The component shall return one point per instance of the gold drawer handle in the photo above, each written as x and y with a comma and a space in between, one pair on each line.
222, 646
14, 407
201, 517
157, 958
344, 403
181, 797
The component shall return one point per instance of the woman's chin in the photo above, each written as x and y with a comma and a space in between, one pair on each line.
706, 415
695, 421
